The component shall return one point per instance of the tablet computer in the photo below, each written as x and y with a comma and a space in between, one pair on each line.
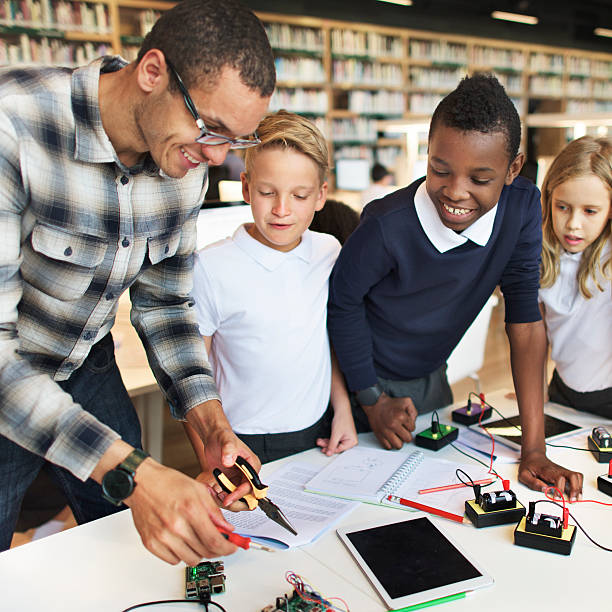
508, 430
412, 561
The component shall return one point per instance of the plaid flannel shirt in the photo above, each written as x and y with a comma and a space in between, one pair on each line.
78, 228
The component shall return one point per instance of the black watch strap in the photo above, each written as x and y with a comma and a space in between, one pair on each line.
369, 396
133, 460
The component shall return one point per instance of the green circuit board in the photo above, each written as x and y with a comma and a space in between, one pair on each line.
205, 578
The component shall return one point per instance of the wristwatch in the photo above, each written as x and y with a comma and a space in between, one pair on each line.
369, 396
118, 483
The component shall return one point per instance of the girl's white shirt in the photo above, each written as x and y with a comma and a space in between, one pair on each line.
579, 330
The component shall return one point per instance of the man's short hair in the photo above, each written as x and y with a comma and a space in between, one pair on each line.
286, 130
480, 104
201, 37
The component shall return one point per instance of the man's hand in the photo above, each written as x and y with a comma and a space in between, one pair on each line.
175, 516
538, 472
392, 420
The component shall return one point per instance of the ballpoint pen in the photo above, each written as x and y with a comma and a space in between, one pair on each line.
241, 541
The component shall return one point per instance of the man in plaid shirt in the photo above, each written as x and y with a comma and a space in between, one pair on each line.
103, 172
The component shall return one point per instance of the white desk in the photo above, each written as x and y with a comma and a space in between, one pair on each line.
103, 567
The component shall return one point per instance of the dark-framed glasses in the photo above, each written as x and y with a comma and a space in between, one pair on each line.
207, 136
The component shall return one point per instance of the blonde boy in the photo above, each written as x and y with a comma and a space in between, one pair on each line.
261, 299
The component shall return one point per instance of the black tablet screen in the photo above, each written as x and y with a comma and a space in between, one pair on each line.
411, 557
552, 427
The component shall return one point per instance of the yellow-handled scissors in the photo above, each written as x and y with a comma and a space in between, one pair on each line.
258, 495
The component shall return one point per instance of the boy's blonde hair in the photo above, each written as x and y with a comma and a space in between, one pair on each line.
286, 130
582, 157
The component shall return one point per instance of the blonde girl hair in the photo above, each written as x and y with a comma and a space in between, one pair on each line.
582, 157
286, 130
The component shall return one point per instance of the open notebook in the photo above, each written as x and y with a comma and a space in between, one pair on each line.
372, 474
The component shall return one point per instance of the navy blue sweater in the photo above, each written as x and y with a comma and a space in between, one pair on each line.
398, 307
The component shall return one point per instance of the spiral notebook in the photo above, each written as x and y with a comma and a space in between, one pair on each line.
372, 474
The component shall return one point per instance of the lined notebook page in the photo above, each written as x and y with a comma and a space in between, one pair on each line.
362, 473
437, 472
370, 474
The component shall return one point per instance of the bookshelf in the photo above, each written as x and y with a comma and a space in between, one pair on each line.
346, 76
352, 78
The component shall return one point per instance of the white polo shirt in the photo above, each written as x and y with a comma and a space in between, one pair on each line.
444, 238
579, 330
267, 313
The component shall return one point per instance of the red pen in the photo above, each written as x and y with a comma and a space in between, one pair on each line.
458, 485
424, 508
241, 541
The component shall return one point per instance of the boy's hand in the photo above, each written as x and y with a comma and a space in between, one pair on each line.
343, 435
392, 420
538, 472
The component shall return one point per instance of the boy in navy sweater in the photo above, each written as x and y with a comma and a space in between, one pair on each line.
422, 263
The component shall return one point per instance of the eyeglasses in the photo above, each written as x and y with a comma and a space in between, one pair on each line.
207, 136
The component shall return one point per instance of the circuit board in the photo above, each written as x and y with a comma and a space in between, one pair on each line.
206, 578
295, 603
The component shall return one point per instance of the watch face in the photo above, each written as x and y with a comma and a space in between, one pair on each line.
117, 484
369, 396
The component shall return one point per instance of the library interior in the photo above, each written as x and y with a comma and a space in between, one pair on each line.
369, 75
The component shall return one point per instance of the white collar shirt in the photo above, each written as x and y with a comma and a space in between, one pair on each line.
443, 238
266, 311
579, 329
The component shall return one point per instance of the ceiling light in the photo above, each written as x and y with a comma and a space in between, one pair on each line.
603, 32
402, 2
528, 19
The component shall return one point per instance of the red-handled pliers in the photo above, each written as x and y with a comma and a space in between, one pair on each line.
257, 496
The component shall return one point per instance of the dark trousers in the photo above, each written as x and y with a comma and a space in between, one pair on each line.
269, 447
597, 402
98, 388
428, 393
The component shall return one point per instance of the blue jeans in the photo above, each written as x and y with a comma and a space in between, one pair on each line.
98, 388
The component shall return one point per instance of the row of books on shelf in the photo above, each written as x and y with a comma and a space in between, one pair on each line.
284, 36
499, 58
366, 73
438, 51
300, 100
50, 51
302, 69
588, 106
370, 44
438, 78
377, 102
583, 88
555, 86
60, 14
511, 82
359, 129
373, 44
146, 20
387, 156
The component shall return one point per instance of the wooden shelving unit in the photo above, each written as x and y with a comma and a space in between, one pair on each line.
346, 76
377, 72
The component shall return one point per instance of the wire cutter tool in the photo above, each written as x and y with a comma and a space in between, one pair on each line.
258, 495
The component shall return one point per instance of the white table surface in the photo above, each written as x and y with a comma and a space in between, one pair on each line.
102, 566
